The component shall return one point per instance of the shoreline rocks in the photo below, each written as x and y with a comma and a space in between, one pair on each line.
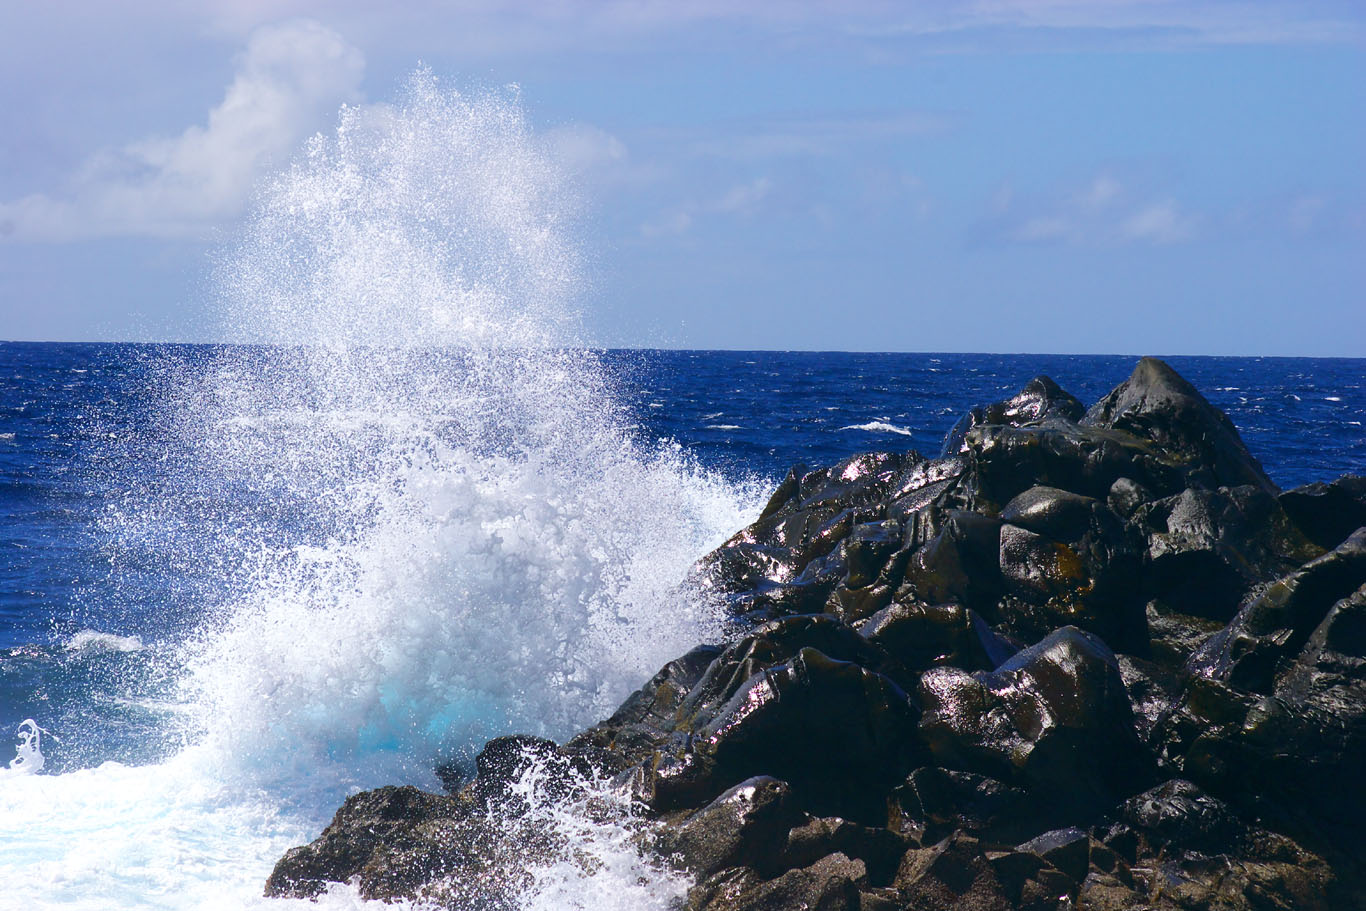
1085, 658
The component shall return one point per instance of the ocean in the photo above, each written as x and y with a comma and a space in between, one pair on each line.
413, 513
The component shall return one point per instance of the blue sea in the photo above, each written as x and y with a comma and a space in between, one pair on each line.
412, 513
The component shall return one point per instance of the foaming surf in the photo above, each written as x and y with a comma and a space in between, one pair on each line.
423, 512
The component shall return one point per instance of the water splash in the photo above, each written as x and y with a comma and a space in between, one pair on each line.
414, 506
28, 755
499, 553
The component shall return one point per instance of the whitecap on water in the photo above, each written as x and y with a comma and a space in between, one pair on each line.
880, 427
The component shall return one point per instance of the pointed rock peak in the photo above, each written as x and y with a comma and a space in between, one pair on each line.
1159, 404
1039, 399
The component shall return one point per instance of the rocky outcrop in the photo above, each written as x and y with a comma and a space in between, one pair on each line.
1083, 659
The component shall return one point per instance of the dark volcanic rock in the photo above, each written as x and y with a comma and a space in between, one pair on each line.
397, 843
1185, 734
1272, 628
830, 884
921, 636
349, 844
1054, 719
1040, 398
1328, 513
1180, 814
1208, 548
745, 826
933, 803
838, 732
1157, 404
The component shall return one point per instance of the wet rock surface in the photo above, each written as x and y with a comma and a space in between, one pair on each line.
1085, 658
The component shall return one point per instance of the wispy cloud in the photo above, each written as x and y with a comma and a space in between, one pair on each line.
1000, 24
800, 137
1161, 222
742, 199
1103, 211
290, 78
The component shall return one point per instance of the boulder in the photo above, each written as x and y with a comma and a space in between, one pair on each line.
1157, 404
839, 733
920, 636
933, 803
1041, 398
1054, 719
1327, 513
745, 826
830, 884
1272, 628
1206, 549
953, 875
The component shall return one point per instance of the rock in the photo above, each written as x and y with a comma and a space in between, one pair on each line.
1178, 813
784, 721
348, 844
1290, 757
504, 761
1207, 548
920, 636
933, 803
1152, 689
1155, 403
873, 735
772, 644
1085, 575
1068, 850
1327, 513
1058, 514
1054, 719
745, 826
959, 564
830, 884
1041, 398
1173, 637
880, 850
402, 843
1272, 628
646, 718
1126, 496
952, 875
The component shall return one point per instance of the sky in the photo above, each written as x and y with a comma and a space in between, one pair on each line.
1059, 176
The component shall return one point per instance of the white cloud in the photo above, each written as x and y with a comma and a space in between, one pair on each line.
289, 80
1104, 211
742, 199
1305, 213
1148, 22
1161, 222
582, 148
814, 136
1102, 191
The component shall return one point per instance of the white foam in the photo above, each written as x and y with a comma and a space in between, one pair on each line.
879, 427
89, 640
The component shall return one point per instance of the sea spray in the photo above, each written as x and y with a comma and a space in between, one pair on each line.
415, 510
28, 755
499, 552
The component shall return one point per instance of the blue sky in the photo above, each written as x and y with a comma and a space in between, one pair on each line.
1126, 176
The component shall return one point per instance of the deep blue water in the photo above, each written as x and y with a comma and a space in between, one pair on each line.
82, 432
